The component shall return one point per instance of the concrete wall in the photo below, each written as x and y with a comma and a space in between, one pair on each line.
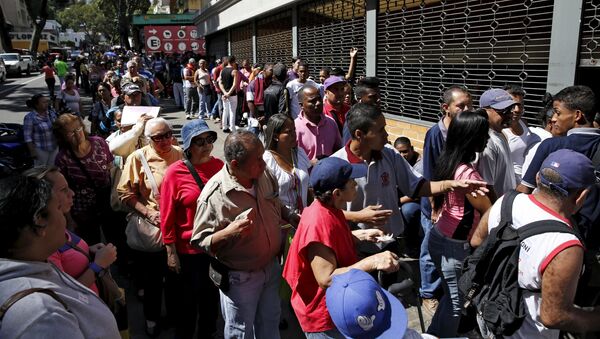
413, 129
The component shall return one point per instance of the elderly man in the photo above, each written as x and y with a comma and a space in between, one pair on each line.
132, 72
317, 134
550, 264
238, 222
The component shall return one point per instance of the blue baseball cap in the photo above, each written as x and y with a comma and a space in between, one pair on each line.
574, 169
193, 129
360, 308
331, 173
496, 98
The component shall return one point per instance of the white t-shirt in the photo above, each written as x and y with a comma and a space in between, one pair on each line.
535, 255
288, 189
530, 151
72, 101
517, 145
495, 165
293, 88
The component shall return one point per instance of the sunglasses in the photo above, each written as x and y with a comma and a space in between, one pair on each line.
161, 137
203, 141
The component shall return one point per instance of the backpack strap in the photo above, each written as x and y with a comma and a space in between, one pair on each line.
22, 294
507, 206
545, 226
194, 173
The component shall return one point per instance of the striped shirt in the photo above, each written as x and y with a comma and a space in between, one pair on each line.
38, 130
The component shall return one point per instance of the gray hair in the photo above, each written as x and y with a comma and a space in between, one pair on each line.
131, 63
237, 145
153, 122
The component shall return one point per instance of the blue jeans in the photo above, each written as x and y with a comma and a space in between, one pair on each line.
217, 108
448, 255
251, 308
331, 334
430, 277
203, 103
191, 100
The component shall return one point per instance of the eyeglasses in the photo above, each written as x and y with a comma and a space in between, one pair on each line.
505, 111
75, 131
203, 141
161, 137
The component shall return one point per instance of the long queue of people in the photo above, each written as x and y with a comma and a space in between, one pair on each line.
308, 192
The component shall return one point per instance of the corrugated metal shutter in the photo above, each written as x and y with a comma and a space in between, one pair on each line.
327, 30
217, 44
274, 38
425, 46
589, 49
241, 42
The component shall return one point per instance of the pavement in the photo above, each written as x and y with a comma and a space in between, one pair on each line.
13, 94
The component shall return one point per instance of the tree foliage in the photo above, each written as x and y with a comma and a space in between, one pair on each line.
88, 18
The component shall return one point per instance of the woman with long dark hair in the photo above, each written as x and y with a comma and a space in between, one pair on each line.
457, 213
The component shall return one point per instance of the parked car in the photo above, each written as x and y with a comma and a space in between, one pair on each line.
2, 71
32, 64
16, 64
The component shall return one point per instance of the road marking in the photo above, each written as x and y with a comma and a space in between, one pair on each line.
15, 86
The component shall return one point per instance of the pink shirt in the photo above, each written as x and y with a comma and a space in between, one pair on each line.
317, 139
459, 218
71, 261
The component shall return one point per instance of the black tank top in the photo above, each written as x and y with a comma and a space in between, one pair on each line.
227, 78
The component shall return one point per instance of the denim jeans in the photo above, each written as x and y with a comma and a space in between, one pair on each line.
178, 94
448, 255
251, 307
331, 334
217, 109
430, 277
203, 103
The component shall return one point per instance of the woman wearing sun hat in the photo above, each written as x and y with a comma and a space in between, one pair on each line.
194, 291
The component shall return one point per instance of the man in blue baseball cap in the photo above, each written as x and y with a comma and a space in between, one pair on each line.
550, 262
495, 163
324, 246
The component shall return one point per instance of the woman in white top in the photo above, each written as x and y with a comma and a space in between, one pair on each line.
287, 162
70, 95
202, 80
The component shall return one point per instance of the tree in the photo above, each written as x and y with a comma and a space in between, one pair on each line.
38, 14
4, 36
87, 18
124, 10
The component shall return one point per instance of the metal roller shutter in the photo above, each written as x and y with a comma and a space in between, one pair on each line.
589, 49
217, 44
241, 42
327, 29
274, 38
425, 46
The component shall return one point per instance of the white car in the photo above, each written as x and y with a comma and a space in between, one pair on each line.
16, 64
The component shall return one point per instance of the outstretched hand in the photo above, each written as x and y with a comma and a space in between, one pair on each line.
475, 187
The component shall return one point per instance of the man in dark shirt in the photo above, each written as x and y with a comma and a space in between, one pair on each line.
276, 96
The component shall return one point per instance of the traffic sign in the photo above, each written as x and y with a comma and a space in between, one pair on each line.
171, 39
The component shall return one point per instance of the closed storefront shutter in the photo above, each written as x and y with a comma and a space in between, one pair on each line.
274, 38
425, 46
326, 32
217, 44
241, 43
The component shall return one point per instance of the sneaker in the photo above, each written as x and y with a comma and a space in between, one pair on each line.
217, 120
188, 117
430, 305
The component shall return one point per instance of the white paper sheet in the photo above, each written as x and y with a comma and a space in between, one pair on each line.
132, 113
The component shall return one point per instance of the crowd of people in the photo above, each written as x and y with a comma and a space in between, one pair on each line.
311, 195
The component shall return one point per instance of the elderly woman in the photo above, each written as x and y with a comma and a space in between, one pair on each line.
135, 190
85, 161
37, 131
197, 296
51, 302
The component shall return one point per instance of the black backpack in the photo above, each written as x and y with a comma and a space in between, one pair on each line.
489, 281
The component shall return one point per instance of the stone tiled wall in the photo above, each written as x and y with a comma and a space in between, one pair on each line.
411, 128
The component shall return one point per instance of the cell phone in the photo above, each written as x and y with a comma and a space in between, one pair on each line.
244, 214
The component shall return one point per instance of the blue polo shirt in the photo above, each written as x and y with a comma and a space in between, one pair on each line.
582, 140
585, 141
435, 139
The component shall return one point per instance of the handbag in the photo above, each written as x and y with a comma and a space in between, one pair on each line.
217, 271
142, 235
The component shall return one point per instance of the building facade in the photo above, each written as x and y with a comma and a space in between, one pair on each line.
419, 47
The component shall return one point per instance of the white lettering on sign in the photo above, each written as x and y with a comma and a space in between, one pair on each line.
153, 43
